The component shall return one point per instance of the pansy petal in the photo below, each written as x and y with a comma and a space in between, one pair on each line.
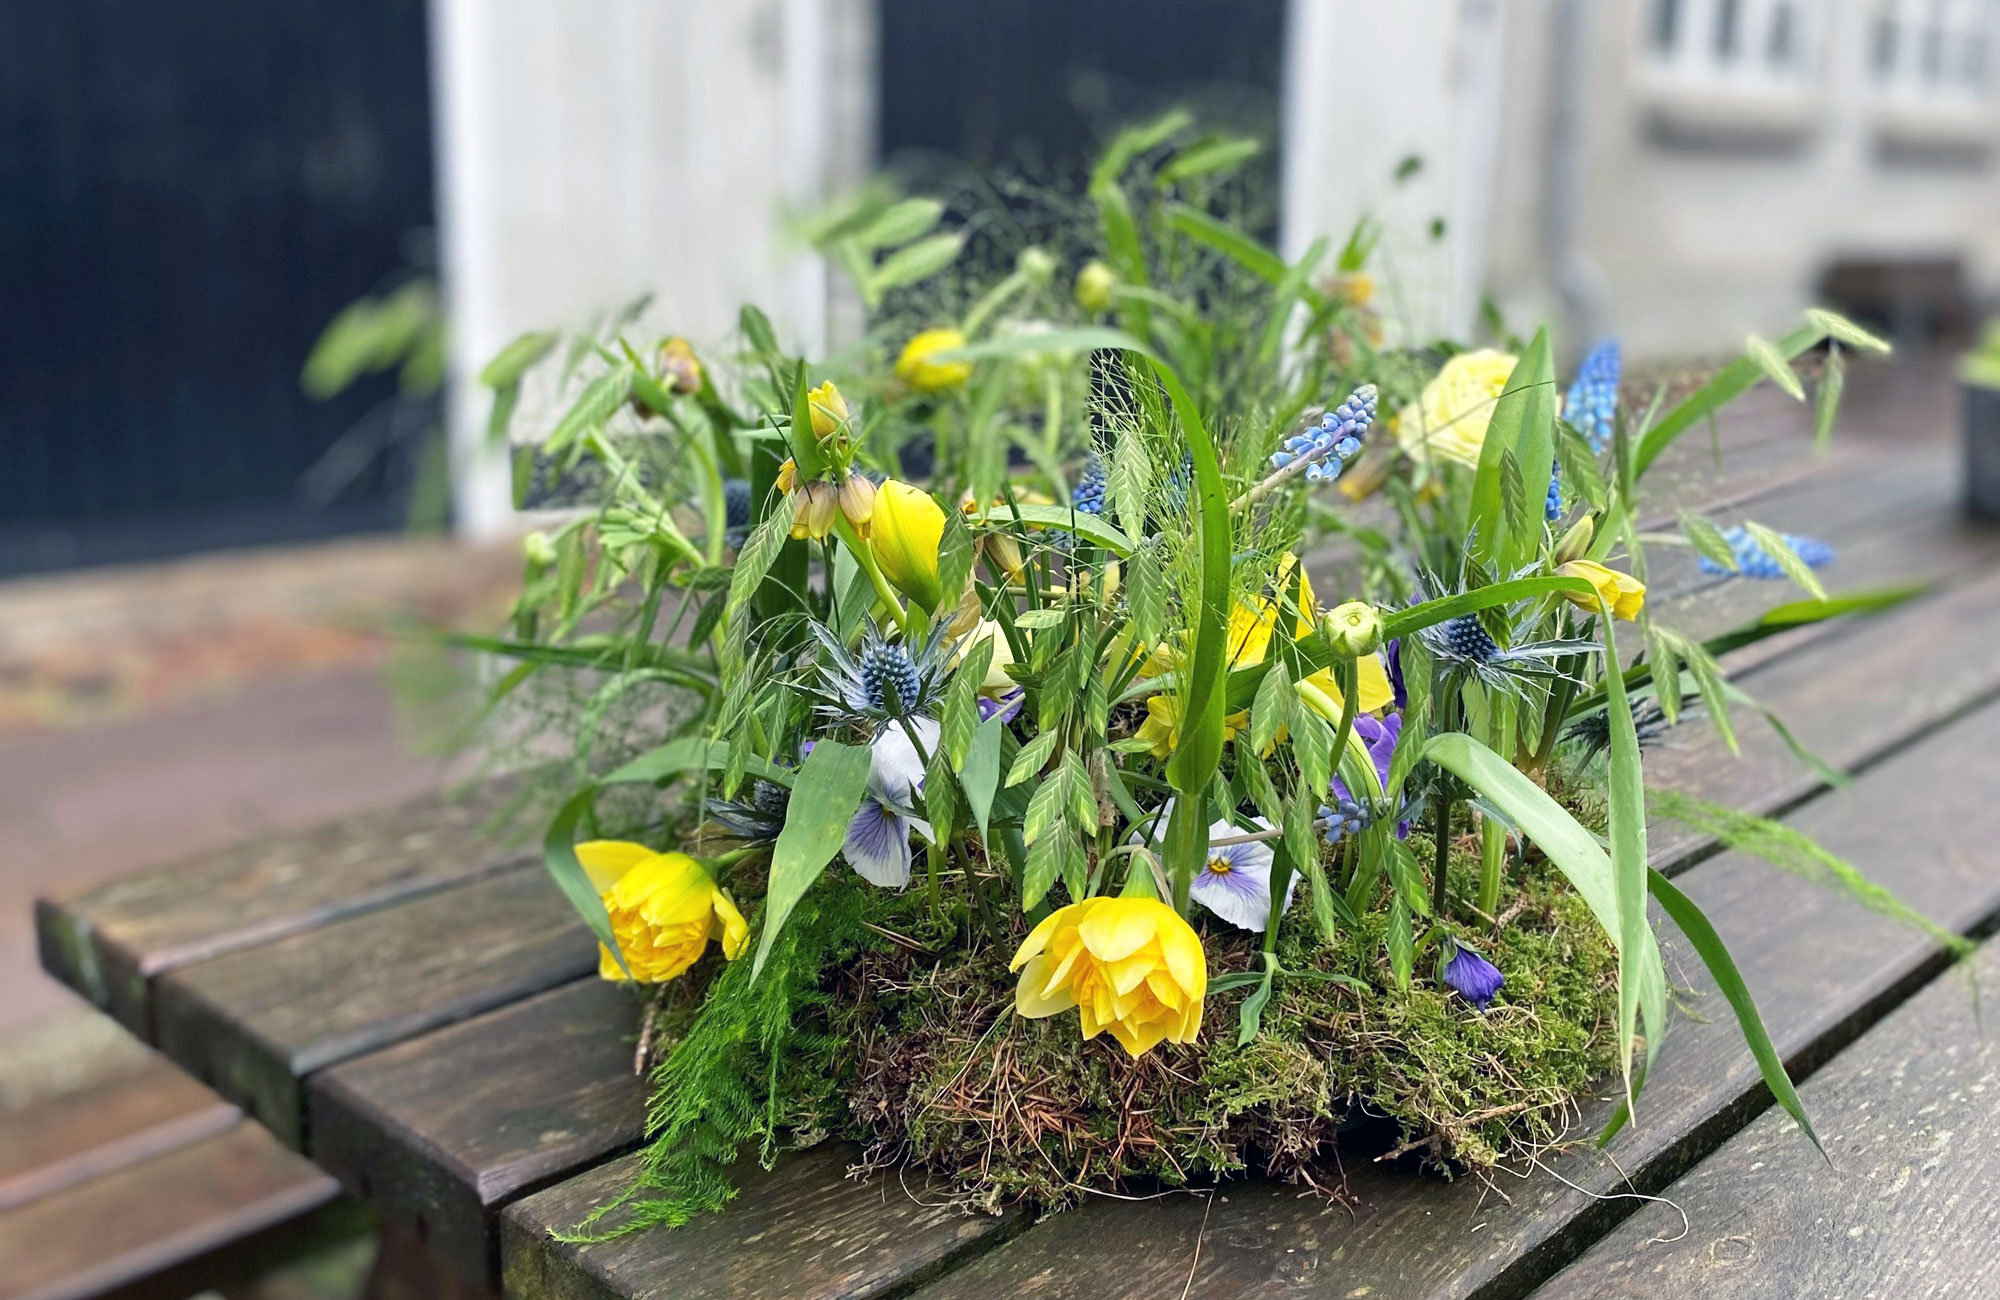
878, 845
895, 770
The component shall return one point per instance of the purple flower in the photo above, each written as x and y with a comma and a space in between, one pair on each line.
878, 835
1472, 976
1379, 735
1393, 654
1003, 708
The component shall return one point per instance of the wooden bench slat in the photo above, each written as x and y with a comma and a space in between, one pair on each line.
801, 1231
108, 942
1820, 967
58, 1141
1905, 1208
128, 1227
253, 1022
435, 1133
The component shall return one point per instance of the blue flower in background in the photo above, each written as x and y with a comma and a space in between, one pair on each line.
1336, 439
1552, 510
1470, 975
1088, 499
1753, 561
1348, 815
1593, 398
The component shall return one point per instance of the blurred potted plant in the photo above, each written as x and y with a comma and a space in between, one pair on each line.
1979, 380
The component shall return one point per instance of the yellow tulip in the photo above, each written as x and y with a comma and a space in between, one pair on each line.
829, 409
1128, 965
1450, 417
996, 682
904, 537
664, 908
1622, 593
916, 368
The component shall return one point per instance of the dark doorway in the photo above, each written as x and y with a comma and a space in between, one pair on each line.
188, 192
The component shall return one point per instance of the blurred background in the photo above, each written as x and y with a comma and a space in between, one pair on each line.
205, 550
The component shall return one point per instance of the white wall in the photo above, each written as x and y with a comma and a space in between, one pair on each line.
592, 151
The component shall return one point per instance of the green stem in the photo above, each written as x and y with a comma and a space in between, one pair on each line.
1492, 857
1442, 860
866, 559
1186, 846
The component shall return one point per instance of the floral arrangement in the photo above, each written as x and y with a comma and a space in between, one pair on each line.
1005, 793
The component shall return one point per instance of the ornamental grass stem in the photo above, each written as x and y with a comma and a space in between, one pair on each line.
1442, 859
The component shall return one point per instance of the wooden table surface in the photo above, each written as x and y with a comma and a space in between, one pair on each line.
419, 1014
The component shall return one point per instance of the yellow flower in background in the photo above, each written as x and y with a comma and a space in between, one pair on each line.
904, 536
916, 368
996, 682
828, 407
1162, 728
813, 508
664, 908
1622, 593
1450, 417
679, 367
1131, 966
1095, 284
1371, 681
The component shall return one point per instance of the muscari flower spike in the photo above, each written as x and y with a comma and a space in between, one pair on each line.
1334, 441
1753, 561
1593, 397
884, 680
1346, 815
1470, 975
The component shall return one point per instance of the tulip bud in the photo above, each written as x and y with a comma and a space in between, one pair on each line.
857, 502
1354, 628
907, 528
813, 507
539, 551
679, 367
1095, 284
829, 409
916, 368
1575, 543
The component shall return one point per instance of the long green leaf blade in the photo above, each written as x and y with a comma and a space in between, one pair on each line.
825, 794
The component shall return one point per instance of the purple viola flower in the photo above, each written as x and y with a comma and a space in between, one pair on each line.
1392, 653
1470, 975
1005, 708
878, 835
1235, 879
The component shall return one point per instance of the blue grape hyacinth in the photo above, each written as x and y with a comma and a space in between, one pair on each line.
1753, 561
1088, 498
1552, 509
1593, 397
1334, 441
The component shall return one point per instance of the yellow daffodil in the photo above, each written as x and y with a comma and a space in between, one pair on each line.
1371, 681
829, 409
664, 908
916, 368
1128, 965
813, 508
1449, 418
1162, 728
904, 537
1622, 593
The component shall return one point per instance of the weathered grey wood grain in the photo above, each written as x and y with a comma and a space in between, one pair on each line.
800, 1231
108, 942
137, 1230
1905, 1205
251, 1024
436, 1132
1821, 969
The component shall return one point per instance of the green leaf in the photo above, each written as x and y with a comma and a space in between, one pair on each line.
1082, 798
1707, 539
940, 795
760, 549
1402, 943
1580, 472
559, 856
517, 358
1832, 380
1523, 424
1250, 1018
1146, 596
1212, 155
1045, 807
825, 793
1834, 325
1514, 497
1257, 783
688, 754
1775, 365
1226, 239
1312, 746
1270, 710
1129, 480
979, 776
1032, 757
1040, 620
1134, 141
1701, 935
1627, 801
958, 553
1047, 856
1722, 388
1775, 546
899, 223
600, 398
1417, 617
961, 704
918, 261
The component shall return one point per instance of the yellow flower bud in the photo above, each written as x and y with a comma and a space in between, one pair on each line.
829, 409
908, 527
813, 508
1354, 627
788, 476
664, 909
1623, 594
1128, 965
916, 368
1095, 284
679, 367
857, 502
996, 682
1575, 543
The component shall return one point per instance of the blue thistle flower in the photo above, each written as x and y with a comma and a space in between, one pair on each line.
736, 511
1753, 561
887, 668
1464, 638
1334, 441
1593, 397
1470, 975
884, 680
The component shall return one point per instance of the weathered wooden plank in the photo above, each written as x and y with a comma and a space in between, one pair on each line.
800, 1231
1903, 1208
143, 1228
436, 1132
58, 1141
1821, 969
108, 942
252, 1023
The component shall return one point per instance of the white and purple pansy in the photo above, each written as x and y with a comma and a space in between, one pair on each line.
878, 836
1235, 879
